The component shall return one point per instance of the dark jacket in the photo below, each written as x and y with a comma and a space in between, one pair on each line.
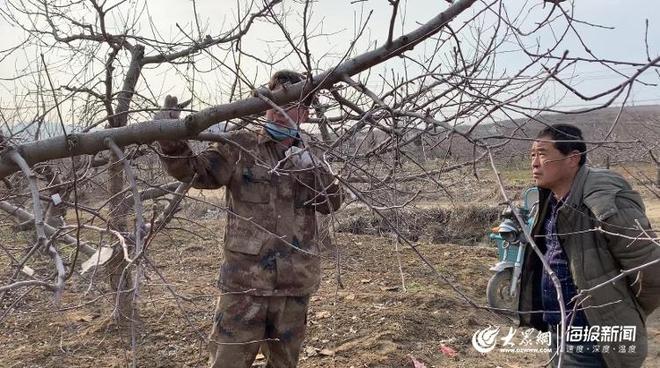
600, 199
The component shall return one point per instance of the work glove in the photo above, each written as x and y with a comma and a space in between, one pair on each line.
171, 109
300, 158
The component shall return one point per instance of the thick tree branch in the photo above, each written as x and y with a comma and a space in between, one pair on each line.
90, 143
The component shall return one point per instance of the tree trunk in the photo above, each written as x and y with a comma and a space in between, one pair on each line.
119, 274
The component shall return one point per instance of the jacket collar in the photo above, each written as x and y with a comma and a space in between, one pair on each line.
577, 188
574, 198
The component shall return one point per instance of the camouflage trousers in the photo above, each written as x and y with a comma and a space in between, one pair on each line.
245, 323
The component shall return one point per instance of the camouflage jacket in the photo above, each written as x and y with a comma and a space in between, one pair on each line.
270, 244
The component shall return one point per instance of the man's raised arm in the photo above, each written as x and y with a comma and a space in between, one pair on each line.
210, 168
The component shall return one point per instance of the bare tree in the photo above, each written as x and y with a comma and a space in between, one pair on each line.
85, 143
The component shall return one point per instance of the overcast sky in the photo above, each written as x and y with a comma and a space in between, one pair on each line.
339, 20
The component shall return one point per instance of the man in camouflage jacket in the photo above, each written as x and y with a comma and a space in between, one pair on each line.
271, 260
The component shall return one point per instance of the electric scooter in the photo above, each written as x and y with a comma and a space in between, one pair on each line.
504, 286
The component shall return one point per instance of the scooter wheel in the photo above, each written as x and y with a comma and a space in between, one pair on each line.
498, 292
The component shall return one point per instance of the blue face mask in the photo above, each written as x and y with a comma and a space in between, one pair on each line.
279, 132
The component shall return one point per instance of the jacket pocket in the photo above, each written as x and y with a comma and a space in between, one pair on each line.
605, 294
255, 185
244, 236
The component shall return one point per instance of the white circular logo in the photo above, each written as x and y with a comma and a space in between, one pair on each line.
484, 340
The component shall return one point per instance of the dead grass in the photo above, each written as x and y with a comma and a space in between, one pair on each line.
374, 320
467, 225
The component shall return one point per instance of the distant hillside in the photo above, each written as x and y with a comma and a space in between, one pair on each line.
643, 119
636, 123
